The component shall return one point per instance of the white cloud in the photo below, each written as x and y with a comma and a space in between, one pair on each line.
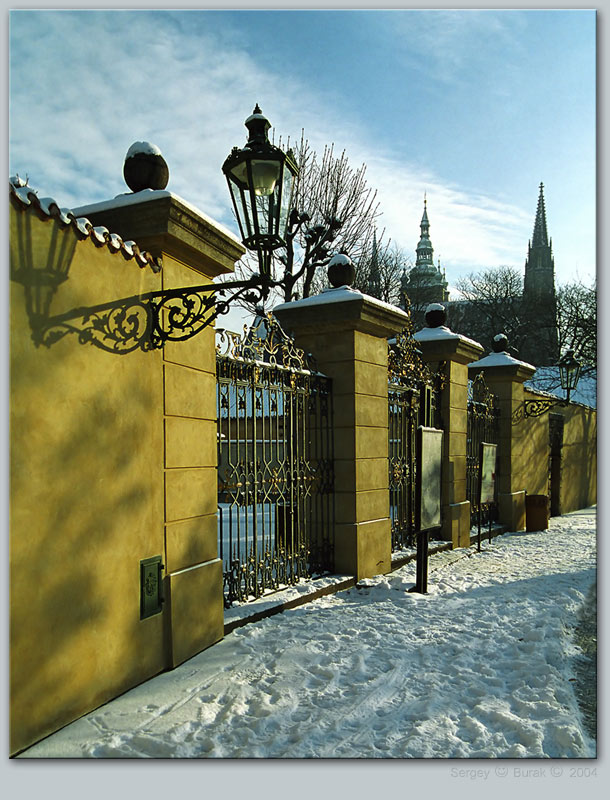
86, 85
468, 232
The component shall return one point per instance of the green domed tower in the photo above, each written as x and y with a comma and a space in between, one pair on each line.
425, 283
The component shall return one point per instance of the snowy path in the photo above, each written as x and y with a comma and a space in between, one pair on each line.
482, 666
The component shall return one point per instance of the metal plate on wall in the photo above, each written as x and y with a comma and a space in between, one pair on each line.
151, 596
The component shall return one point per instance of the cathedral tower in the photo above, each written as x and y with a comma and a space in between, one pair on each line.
539, 292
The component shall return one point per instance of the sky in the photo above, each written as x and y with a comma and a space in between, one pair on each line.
473, 107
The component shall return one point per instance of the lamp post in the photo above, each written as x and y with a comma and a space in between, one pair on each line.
261, 181
569, 373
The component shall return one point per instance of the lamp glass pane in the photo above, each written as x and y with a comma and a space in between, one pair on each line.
264, 176
239, 174
573, 376
242, 210
286, 200
262, 209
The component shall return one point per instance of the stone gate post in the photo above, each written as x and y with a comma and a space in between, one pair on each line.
505, 376
439, 344
347, 333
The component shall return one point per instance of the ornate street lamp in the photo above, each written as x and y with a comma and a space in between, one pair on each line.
569, 373
261, 180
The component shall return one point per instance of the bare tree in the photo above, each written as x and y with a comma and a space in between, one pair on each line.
379, 274
492, 304
334, 211
577, 322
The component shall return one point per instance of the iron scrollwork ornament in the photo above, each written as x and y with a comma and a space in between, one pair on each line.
482, 402
535, 408
148, 321
265, 342
406, 366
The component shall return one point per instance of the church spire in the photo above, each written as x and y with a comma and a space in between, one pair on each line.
540, 237
424, 219
424, 249
539, 297
374, 276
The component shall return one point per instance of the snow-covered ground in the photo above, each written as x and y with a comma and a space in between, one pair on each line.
483, 666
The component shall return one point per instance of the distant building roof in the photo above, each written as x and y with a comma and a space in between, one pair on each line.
546, 379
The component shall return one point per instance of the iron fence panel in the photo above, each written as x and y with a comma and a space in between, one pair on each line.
413, 400
275, 464
482, 426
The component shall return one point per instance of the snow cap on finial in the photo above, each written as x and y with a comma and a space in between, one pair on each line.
145, 167
436, 315
500, 343
341, 271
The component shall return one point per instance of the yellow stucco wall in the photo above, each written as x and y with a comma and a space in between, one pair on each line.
533, 458
579, 459
86, 504
578, 487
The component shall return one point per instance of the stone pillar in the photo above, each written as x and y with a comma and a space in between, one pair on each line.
193, 250
439, 344
505, 376
347, 333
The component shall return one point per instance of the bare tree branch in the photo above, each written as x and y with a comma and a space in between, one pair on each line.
335, 211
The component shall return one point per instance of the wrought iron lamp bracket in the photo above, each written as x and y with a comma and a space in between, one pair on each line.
149, 320
535, 408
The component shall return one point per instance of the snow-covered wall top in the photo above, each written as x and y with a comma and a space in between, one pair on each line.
100, 236
500, 360
147, 195
440, 333
343, 294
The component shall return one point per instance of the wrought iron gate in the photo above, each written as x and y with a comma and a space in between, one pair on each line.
275, 463
413, 400
482, 426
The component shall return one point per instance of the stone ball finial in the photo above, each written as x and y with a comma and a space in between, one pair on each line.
145, 167
341, 271
500, 343
436, 315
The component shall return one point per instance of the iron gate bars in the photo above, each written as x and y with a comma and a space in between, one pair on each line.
413, 400
275, 464
482, 426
